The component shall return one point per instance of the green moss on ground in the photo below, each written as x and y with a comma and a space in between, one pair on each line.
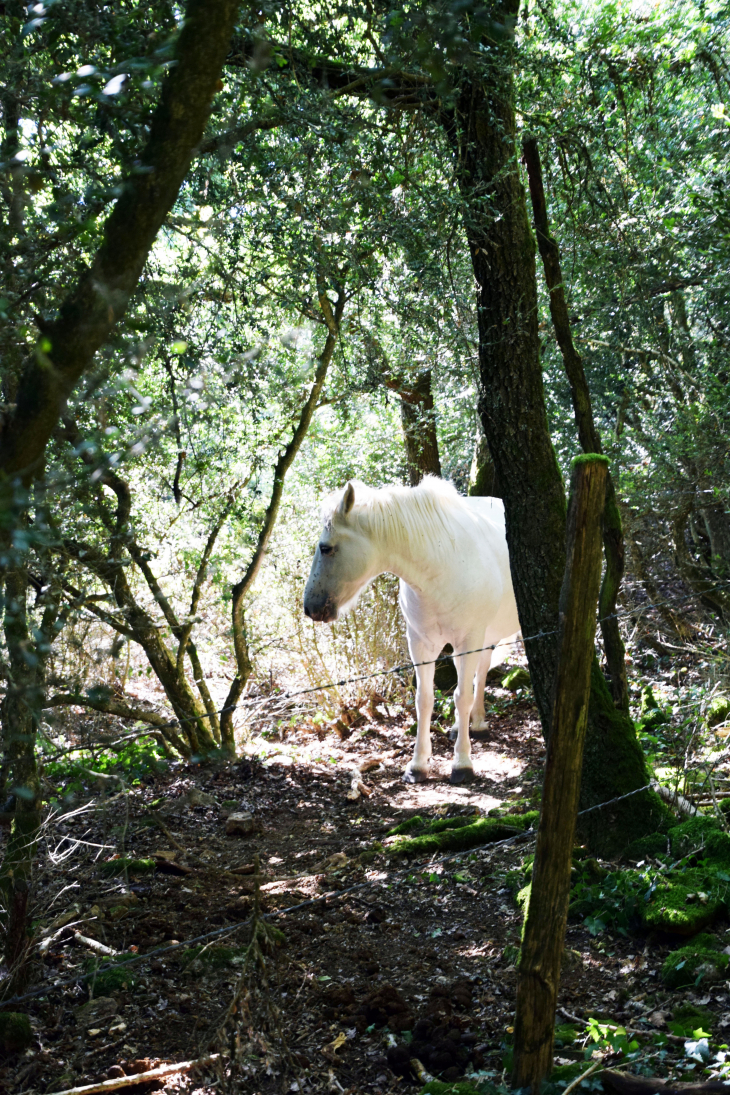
112, 980
115, 867
459, 834
690, 1017
411, 825
651, 714
460, 1087
516, 678
717, 848
684, 904
15, 1032
697, 962
565, 1035
692, 834
216, 958
611, 733
718, 711
566, 1073
655, 844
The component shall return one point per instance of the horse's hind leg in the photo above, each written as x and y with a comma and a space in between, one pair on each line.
417, 769
462, 770
478, 719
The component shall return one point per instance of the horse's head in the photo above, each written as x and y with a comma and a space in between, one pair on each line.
343, 563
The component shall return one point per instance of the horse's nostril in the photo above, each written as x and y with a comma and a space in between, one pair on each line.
307, 612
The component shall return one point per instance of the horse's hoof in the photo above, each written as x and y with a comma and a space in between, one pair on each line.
462, 775
452, 735
482, 734
415, 775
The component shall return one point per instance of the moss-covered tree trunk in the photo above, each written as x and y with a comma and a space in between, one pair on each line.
513, 415
418, 418
613, 537
20, 712
483, 482
538, 975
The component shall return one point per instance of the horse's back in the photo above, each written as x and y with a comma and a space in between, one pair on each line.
490, 508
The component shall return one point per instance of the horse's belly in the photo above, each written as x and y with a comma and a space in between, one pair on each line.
462, 610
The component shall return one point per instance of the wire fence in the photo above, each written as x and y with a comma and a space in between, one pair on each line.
404, 667
384, 877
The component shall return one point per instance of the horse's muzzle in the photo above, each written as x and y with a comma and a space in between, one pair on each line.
322, 614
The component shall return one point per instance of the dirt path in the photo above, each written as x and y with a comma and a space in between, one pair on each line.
428, 950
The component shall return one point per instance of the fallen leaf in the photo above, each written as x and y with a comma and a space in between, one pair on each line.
330, 1050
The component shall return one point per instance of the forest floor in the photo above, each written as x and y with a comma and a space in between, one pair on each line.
418, 961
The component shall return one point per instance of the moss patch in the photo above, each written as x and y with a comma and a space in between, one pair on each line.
692, 834
564, 1074
438, 1087
687, 1018
15, 1032
611, 733
459, 834
411, 825
516, 678
684, 904
651, 714
115, 867
112, 980
718, 711
697, 962
215, 958
655, 844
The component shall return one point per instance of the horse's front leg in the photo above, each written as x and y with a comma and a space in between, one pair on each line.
417, 769
462, 770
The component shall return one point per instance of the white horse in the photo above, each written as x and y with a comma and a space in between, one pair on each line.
450, 554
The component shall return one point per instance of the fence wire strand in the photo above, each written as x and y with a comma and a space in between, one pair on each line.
331, 897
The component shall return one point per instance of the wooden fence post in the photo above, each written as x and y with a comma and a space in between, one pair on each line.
544, 935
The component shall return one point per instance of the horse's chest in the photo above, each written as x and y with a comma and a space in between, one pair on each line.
432, 614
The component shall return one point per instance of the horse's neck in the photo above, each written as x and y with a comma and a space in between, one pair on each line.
416, 564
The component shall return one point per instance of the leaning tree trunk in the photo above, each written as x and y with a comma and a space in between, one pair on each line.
514, 418
613, 537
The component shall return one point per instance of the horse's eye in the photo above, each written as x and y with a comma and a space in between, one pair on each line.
326, 549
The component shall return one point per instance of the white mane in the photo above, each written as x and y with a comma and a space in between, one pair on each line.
396, 514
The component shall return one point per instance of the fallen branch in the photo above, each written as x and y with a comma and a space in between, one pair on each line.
422, 1075
139, 1077
627, 1084
682, 805
95, 946
584, 1076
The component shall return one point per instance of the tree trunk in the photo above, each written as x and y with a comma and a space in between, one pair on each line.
482, 476
514, 419
418, 418
538, 976
20, 713
99, 299
613, 540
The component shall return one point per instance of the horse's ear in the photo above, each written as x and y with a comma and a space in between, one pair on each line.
348, 501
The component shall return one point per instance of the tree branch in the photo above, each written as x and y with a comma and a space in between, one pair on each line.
286, 459
100, 297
